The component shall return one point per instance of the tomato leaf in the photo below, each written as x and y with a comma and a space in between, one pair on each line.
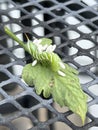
51, 76
38, 76
65, 90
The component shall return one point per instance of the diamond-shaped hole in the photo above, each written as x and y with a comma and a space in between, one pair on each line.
84, 29
27, 21
48, 16
94, 110
15, 26
16, 69
84, 78
72, 50
60, 109
75, 119
5, 59
73, 34
47, 4
88, 14
27, 101
12, 88
83, 60
39, 31
43, 114
85, 44
4, 127
87, 28
59, 11
3, 77
74, 7
8, 109
10, 42
4, 18
13, 12
94, 89
96, 22
19, 53
22, 123
58, 25
70, 20
61, 126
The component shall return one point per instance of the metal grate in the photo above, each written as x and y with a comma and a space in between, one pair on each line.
73, 26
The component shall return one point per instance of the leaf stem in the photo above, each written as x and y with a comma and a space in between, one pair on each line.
13, 36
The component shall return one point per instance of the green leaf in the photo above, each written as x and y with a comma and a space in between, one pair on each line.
66, 90
40, 77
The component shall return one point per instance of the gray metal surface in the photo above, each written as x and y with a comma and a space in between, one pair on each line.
73, 26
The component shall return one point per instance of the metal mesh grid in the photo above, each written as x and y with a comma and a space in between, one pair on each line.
73, 26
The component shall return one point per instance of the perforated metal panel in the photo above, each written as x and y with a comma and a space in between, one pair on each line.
73, 26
